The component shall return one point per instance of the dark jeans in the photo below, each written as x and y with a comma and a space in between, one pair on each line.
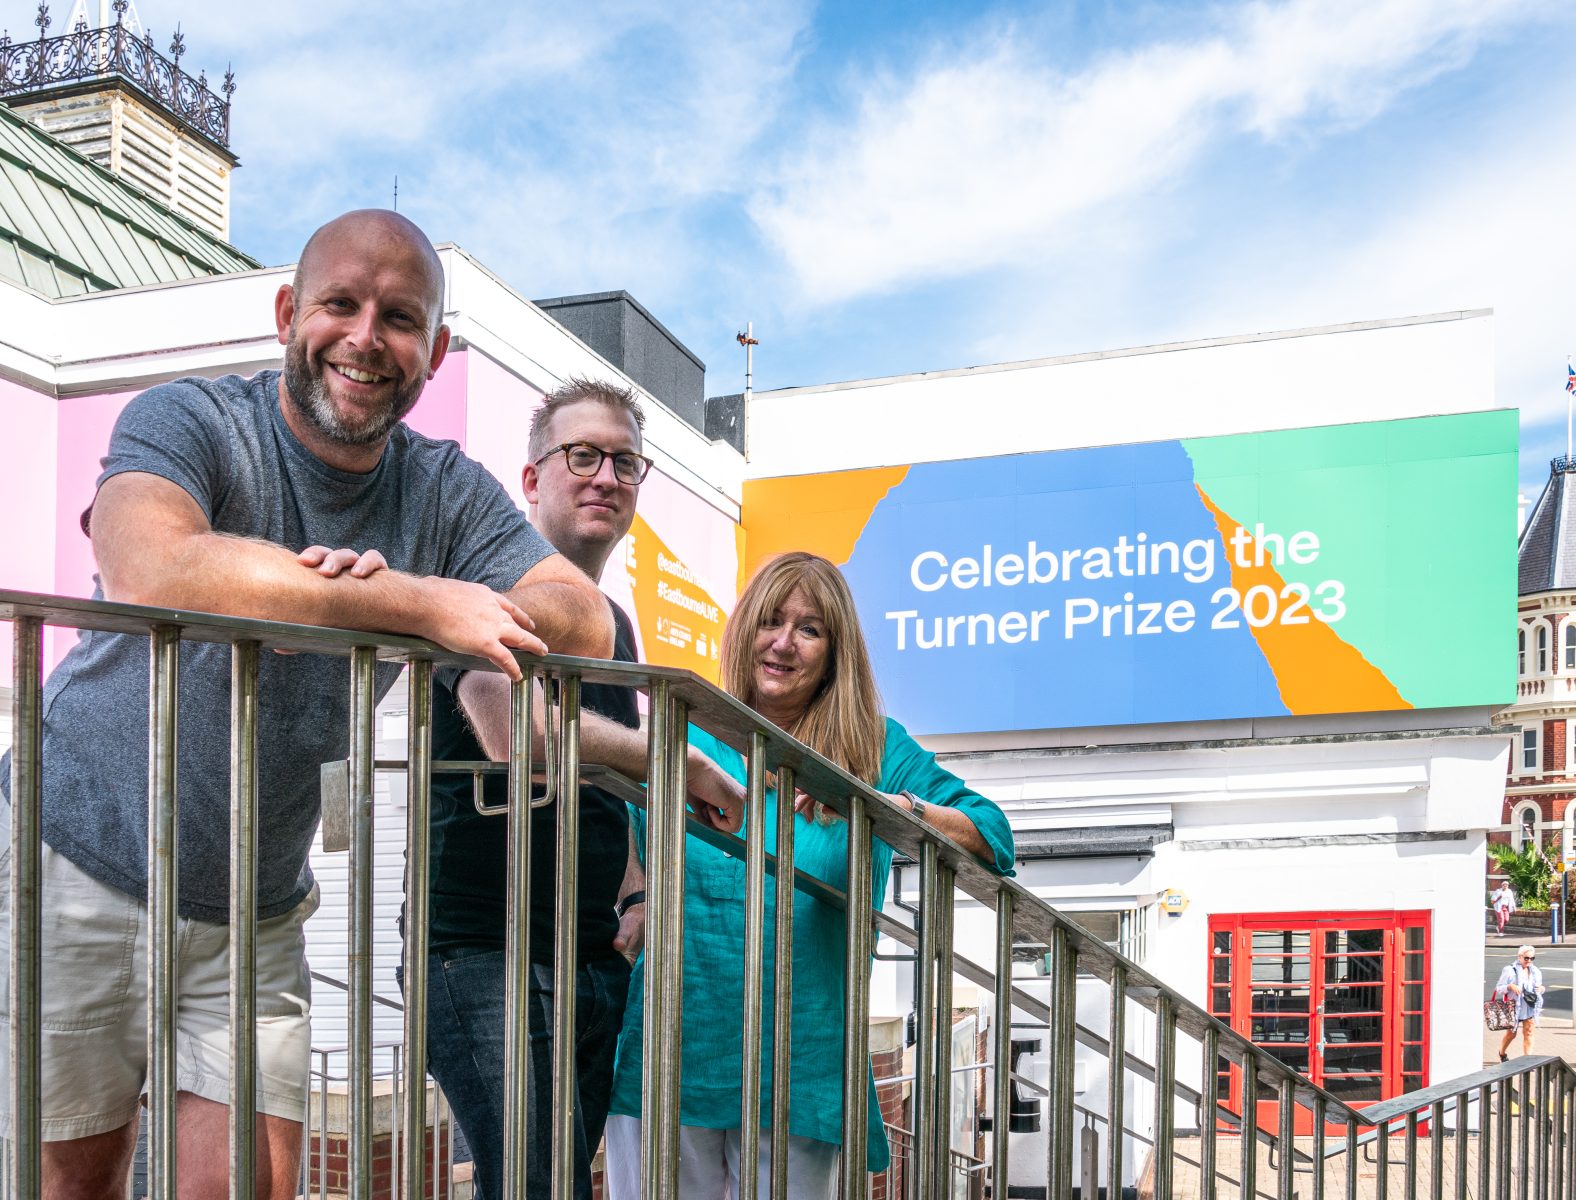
465, 1054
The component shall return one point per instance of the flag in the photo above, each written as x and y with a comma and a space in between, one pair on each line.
1570, 378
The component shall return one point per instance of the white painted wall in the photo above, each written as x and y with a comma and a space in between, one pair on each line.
1443, 785
1412, 367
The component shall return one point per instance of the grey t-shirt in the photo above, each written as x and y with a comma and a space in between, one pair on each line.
427, 507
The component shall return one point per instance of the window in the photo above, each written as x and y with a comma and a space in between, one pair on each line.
1526, 825
1543, 649
1339, 997
1570, 646
1122, 929
1521, 652
1529, 758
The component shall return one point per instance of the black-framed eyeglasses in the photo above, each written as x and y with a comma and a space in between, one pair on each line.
584, 459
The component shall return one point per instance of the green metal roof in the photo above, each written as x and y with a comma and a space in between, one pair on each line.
68, 226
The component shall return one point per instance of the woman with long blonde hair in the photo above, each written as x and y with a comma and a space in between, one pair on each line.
793, 650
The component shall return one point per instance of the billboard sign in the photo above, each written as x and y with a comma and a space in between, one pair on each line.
1347, 568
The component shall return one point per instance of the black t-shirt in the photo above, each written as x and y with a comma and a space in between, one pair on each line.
469, 851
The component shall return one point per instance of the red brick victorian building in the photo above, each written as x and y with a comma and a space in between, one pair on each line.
1541, 781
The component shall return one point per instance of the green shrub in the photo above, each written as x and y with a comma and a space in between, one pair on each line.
1528, 870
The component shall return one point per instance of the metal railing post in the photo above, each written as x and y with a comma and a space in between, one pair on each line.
1540, 1130
1165, 1092
243, 920
654, 1082
1524, 1104
1250, 1124
856, 1006
922, 1162
1382, 1153
27, 775
517, 934
1209, 1115
1286, 1133
1409, 1169
568, 932
1463, 1117
1116, 1084
1503, 1136
1485, 1137
1064, 1022
363, 747
675, 814
418, 800
1318, 1148
1561, 1100
1351, 1158
163, 893
941, 1079
754, 967
782, 981
1001, 1046
1436, 1141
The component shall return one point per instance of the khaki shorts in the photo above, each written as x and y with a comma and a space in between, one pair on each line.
95, 952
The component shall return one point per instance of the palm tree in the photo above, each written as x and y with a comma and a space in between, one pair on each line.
1529, 871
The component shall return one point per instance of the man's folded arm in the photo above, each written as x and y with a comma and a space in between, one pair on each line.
485, 700
155, 546
568, 611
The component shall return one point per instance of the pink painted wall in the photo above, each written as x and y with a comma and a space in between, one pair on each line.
498, 421
27, 496
440, 413
85, 425
53, 450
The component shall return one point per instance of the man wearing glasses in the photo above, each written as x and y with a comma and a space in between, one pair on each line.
581, 485
1522, 983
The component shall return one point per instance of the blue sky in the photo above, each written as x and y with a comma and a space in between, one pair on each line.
886, 187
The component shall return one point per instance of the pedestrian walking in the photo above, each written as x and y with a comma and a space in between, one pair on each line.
1504, 903
1522, 983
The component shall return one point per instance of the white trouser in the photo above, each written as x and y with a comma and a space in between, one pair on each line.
709, 1163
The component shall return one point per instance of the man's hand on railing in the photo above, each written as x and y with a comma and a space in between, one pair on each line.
330, 563
476, 621
471, 619
714, 795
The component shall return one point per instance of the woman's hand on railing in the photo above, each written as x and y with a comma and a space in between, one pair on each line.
631, 935
714, 795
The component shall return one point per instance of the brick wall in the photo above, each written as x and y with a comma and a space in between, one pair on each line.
330, 1163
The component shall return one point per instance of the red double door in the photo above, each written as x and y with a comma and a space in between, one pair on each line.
1341, 997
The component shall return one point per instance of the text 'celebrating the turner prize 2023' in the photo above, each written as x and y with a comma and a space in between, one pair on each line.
1227, 584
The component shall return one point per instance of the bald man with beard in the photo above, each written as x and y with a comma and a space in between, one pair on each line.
257, 497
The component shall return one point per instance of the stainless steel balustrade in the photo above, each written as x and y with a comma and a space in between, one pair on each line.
1505, 1131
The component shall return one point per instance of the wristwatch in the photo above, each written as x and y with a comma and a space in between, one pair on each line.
625, 903
916, 805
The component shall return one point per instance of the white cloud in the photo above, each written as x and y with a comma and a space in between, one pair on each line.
984, 157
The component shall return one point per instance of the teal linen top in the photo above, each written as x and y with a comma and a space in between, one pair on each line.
713, 1032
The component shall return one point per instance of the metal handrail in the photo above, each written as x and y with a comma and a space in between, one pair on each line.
676, 698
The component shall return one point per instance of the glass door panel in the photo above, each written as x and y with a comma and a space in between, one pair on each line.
1338, 998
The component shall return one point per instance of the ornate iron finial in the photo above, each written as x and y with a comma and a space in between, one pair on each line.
83, 50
